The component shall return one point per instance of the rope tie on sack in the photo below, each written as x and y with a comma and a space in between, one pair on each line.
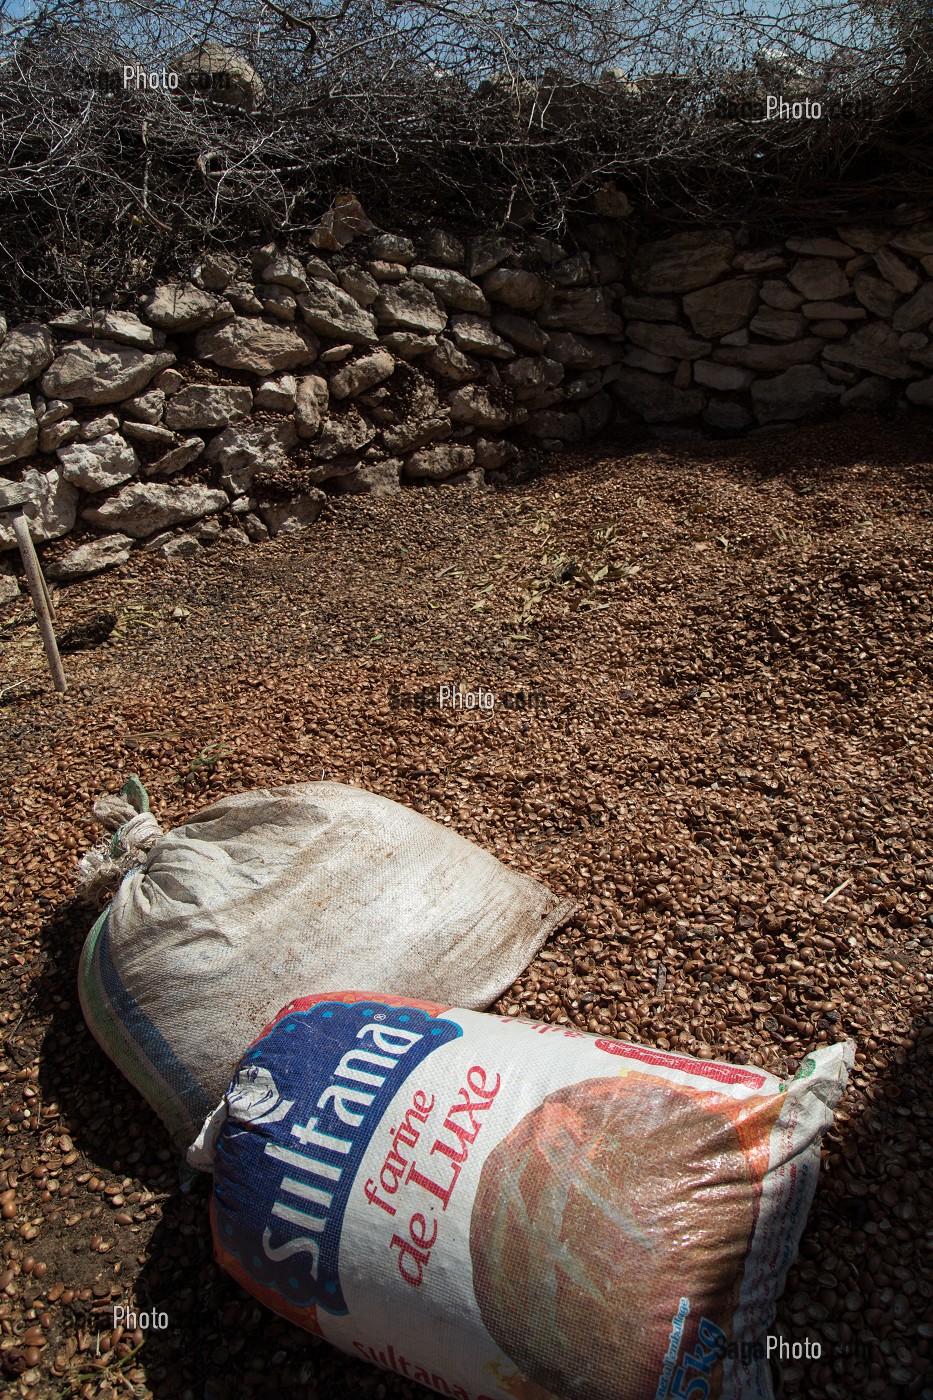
135, 831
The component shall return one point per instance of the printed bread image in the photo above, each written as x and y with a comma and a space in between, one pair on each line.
602, 1210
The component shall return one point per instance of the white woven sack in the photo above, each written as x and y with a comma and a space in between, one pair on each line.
285, 891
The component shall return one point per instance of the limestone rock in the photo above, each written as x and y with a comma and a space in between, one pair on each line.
97, 427
635, 308
417, 431
181, 306
214, 272
832, 311
917, 242
595, 413
654, 399
921, 392
320, 271
584, 310
819, 279
358, 284
800, 392
451, 363
208, 406
492, 453
100, 465
19, 431
278, 302
474, 403
241, 451
779, 296
865, 239
778, 325
311, 402
360, 375
122, 326
408, 345
176, 459
644, 359
54, 411
101, 371
564, 425
918, 311
876, 294
258, 345
759, 260
285, 270
830, 330
820, 247
475, 336
410, 306
169, 382
724, 377
390, 247
290, 517
524, 291
684, 262
150, 433
13, 494
722, 308
532, 373
376, 479
387, 271
57, 434
24, 354
579, 352
9, 588
873, 393
182, 546
244, 300
487, 253
667, 340
442, 460
452, 287
896, 272
873, 348
146, 408
521, 331
727, 416
342, 436
770, 357
220, 74
91, 558
142, 508
278, 394
51, 509
332, 312
444, 248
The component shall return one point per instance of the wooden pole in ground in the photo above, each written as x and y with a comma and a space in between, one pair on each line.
41, 601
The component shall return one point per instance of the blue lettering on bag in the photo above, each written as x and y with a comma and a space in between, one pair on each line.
302, 1110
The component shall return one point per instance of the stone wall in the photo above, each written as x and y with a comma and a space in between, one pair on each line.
232, 404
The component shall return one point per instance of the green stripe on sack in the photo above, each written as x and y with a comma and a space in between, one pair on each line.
112, 1037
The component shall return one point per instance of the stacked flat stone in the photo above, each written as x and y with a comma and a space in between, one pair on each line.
232, 404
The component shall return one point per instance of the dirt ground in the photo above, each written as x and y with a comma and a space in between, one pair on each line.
725, 761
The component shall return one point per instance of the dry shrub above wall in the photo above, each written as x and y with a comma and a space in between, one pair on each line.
468, 117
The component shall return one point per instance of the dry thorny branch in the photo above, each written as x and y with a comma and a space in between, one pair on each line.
438, 110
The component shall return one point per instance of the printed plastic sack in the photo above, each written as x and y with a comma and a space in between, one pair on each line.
304, 887
499, 1208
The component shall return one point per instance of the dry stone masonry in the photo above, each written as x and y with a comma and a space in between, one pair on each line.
234, 403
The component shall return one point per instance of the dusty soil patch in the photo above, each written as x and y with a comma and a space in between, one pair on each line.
723, 754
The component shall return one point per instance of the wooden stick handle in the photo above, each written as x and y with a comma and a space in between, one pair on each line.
41, 602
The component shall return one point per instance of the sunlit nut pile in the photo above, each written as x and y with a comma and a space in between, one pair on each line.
726, 764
